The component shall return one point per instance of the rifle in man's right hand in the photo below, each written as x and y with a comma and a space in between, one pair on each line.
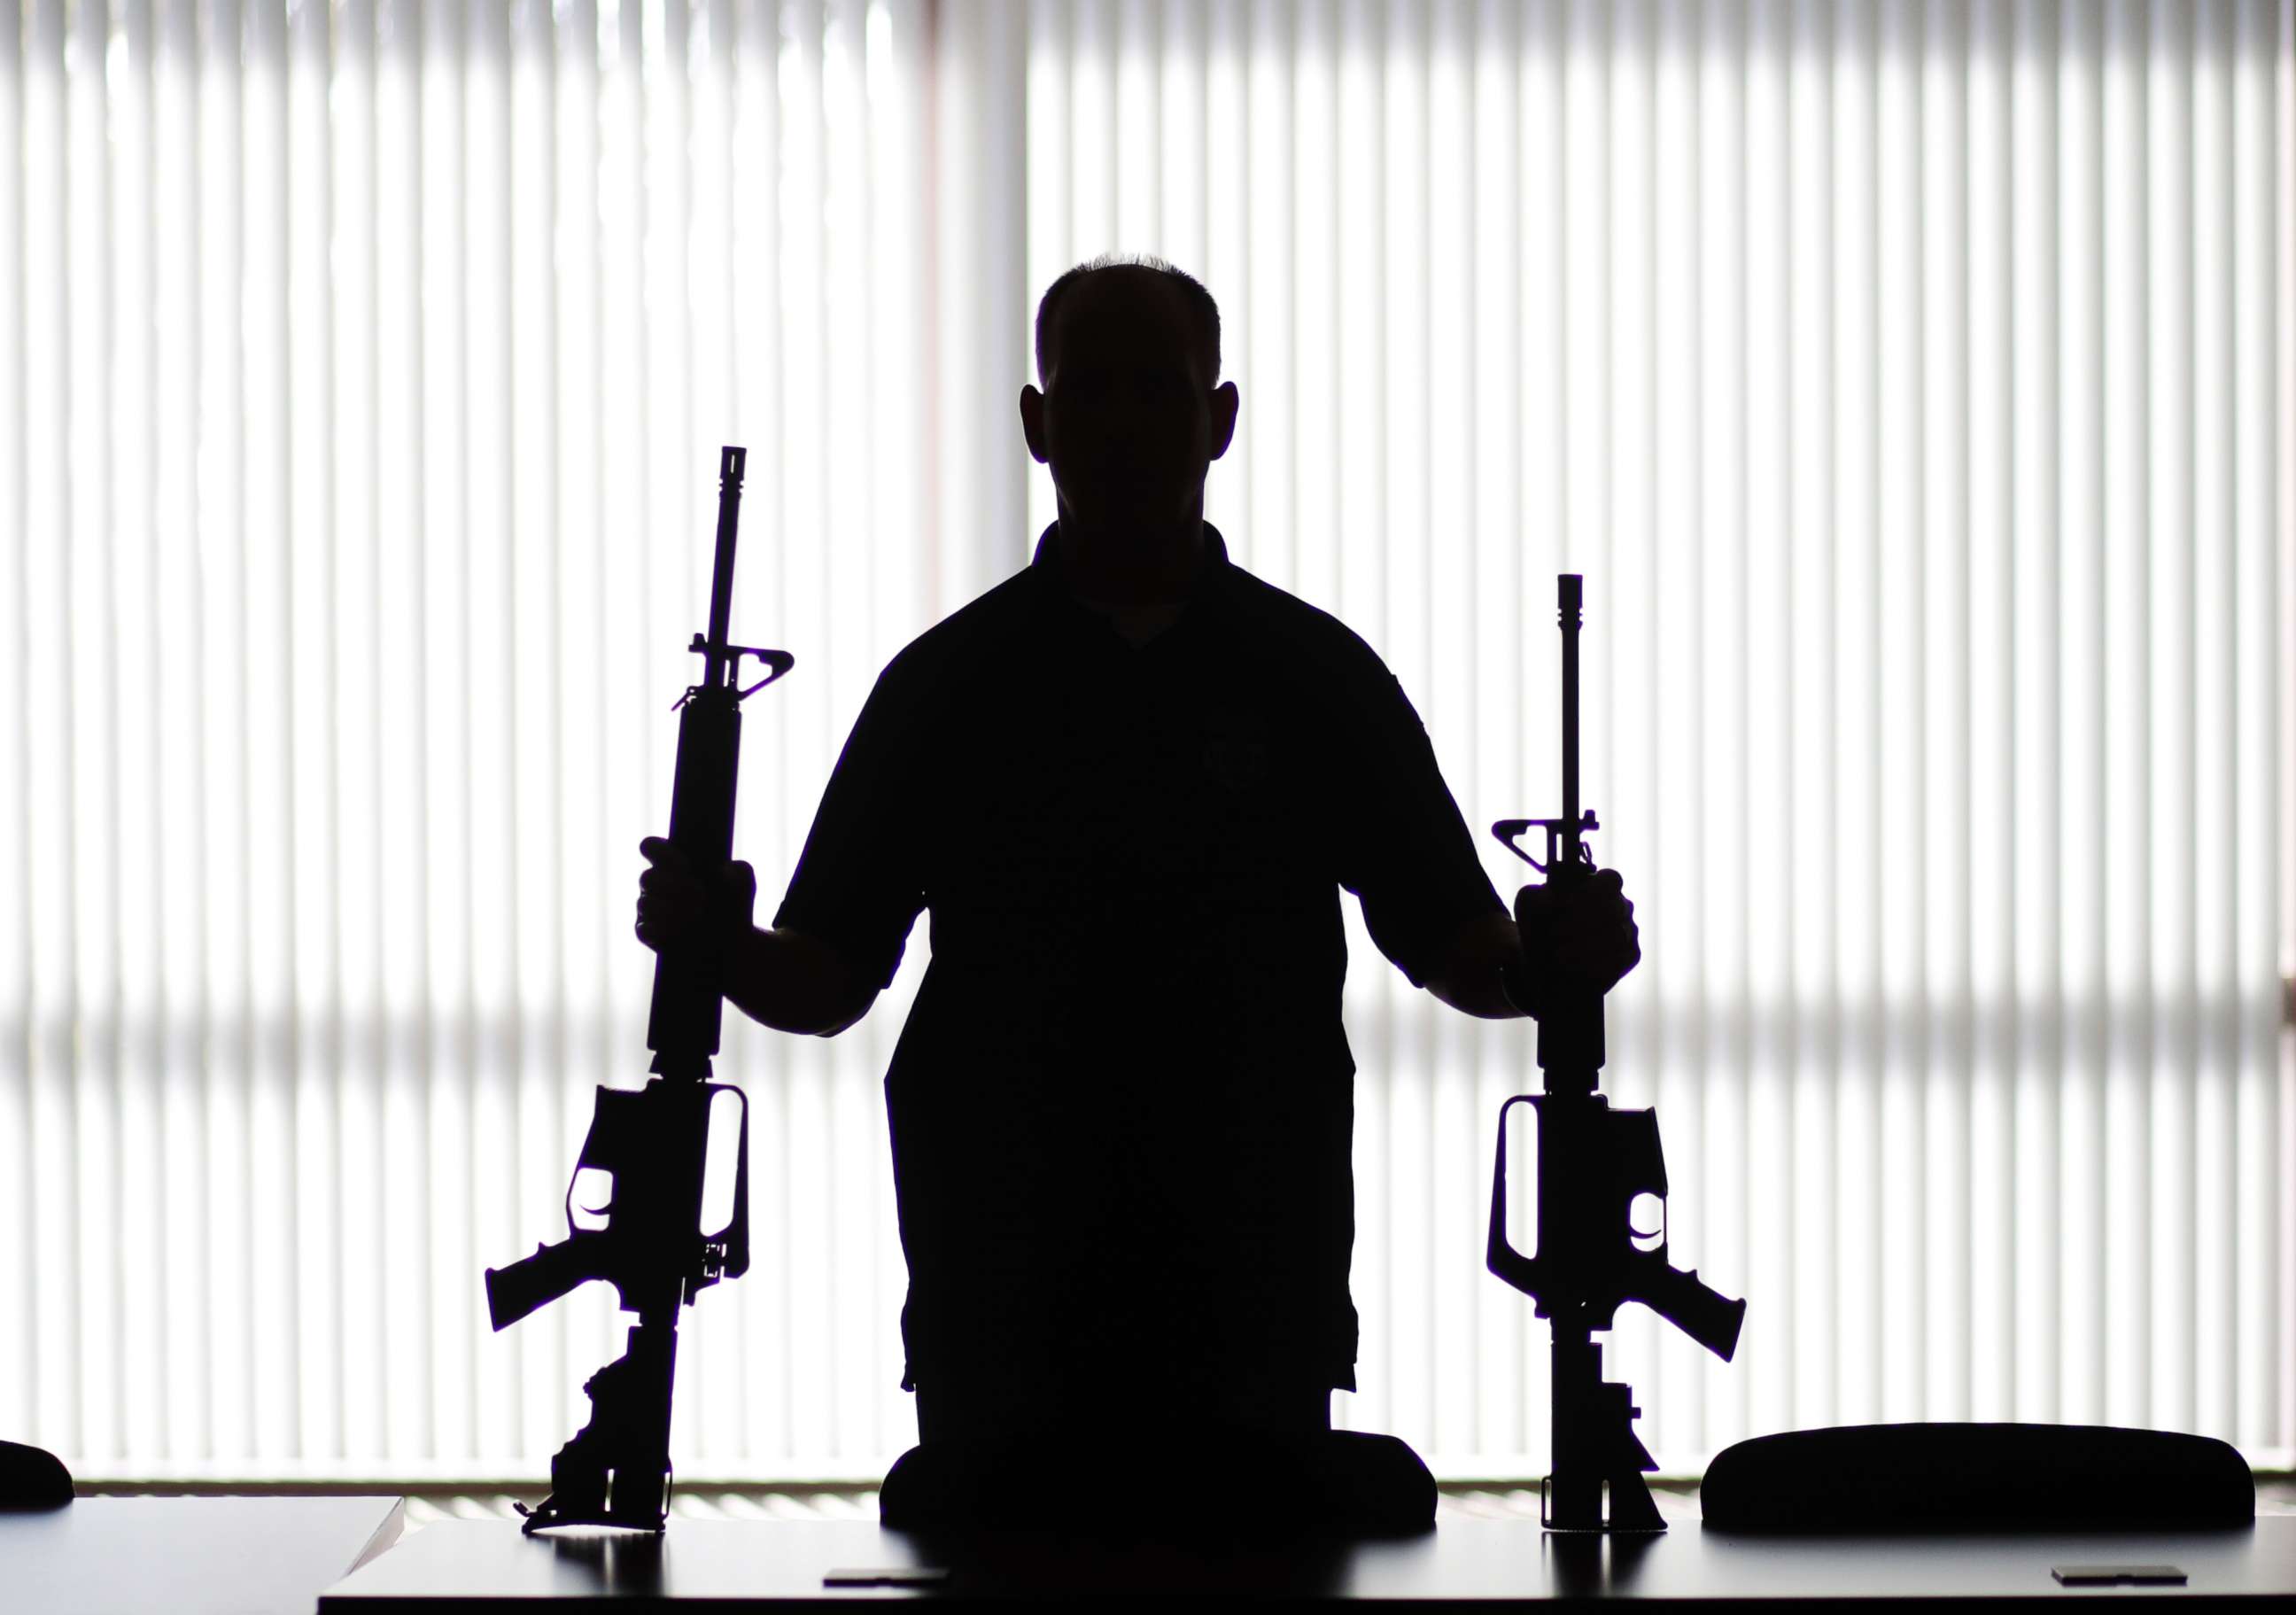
1594, 1164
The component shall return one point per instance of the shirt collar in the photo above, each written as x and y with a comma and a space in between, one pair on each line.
1045, 565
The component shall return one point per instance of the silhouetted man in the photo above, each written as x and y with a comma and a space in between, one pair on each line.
1129, 783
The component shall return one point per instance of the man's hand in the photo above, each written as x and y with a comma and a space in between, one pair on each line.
1579, 937
676, 908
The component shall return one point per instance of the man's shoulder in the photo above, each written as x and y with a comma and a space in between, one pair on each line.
1307, 635
993, 625
983, 627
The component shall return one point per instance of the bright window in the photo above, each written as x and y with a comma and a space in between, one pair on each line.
1913, 385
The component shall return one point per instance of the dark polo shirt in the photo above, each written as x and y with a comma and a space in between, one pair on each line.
1121, 1108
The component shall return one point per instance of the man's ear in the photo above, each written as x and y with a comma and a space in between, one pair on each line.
1032, 421
1226, 401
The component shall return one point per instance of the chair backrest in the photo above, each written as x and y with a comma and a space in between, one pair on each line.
1205, 1476
1977, 1477
32, 1479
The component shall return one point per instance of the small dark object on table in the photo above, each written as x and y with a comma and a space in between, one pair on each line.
2118, 1575
893, 1576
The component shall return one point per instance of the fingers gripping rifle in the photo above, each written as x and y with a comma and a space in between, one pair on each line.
1594, 1162
654, 1142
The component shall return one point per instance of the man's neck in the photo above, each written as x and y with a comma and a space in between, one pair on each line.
1133, 569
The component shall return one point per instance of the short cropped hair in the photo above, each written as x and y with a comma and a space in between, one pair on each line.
1198, 301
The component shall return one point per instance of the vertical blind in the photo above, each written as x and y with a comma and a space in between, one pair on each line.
1914, 385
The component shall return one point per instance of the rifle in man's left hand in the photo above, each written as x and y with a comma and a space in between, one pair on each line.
652, 1142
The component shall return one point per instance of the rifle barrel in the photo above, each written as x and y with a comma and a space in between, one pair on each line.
731, 463
1569, 595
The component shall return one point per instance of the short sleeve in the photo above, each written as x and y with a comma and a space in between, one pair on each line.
855, 886
1406, 850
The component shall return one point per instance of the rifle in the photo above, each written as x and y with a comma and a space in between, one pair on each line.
1593, 1164
654, 1142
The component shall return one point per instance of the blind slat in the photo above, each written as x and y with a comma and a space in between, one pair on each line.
1908, 381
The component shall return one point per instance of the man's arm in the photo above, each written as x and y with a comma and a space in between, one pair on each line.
1468, 980
842, 926
796, 983
781, 977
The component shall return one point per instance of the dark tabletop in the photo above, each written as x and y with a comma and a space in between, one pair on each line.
188, 1555
710, 1564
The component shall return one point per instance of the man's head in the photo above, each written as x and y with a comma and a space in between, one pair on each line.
1132, 411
